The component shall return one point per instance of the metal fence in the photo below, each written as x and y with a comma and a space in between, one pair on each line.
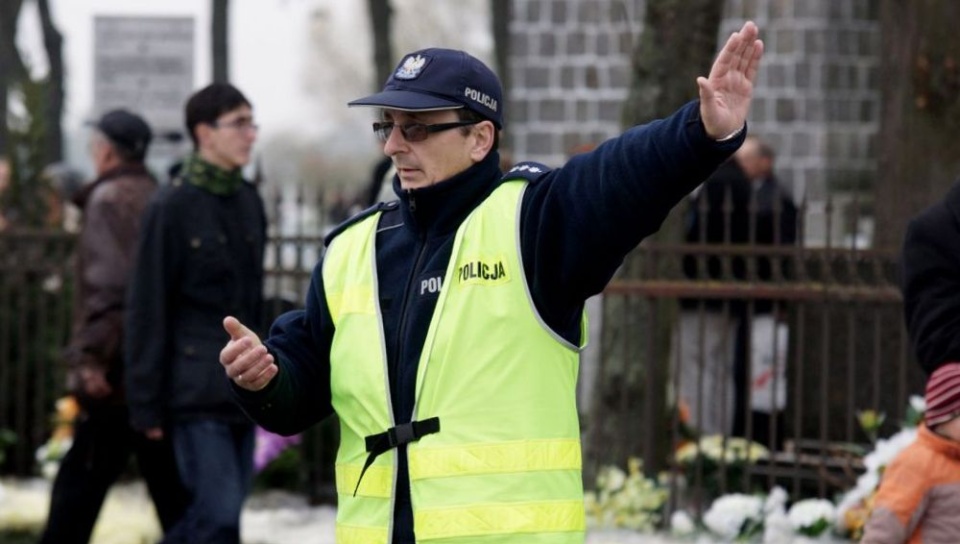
845, 348
847, 352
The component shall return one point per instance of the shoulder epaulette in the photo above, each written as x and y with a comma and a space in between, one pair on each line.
378, 207
528, 170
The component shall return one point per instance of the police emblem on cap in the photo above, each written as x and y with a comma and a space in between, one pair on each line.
410, 68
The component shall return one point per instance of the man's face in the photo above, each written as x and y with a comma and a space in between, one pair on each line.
439, 157
101, 153
227, 143
754, 164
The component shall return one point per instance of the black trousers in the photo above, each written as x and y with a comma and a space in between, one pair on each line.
102, 444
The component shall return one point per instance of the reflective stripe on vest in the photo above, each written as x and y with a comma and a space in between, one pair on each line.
506, 460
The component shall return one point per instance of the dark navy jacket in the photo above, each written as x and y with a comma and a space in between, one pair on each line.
577, 224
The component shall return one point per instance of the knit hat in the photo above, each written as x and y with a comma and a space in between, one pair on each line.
943, 395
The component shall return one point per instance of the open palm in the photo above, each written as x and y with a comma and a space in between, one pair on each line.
726, 93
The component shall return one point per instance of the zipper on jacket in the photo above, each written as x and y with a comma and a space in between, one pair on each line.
412, 200
398, 352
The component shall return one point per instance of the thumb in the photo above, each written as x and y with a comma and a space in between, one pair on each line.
706, 91
238, 330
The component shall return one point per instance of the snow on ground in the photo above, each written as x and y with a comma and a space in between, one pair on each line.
272, 517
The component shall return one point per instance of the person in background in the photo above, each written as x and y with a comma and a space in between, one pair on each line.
704, 339
762, 334
201, 257
112, 208
917, 497
444, 328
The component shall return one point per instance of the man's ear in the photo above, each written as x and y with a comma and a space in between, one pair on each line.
202, 131
483, 133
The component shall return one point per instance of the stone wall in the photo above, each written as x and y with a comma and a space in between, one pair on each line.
569, 74
817, 98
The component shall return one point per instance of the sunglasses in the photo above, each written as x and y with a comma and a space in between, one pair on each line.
415, 132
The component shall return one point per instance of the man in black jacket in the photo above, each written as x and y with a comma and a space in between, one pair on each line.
441, 113
200, 257
930, 281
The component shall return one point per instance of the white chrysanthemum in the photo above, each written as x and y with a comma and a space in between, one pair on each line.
681, 524
888, 448
611, 479
918, 403
728, 513
777, 528
866, 483
776, 501
808, 513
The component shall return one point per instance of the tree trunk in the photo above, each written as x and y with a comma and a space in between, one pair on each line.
12, 69
919, 139
500, 15
219, 36
380, 16
500, 11
629, 413
53, 108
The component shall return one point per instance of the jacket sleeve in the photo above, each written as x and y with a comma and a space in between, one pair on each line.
299, 396
579, 222
930, 281
899, 504
147, 349
108, 247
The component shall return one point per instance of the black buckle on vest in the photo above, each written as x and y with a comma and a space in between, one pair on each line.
394, 437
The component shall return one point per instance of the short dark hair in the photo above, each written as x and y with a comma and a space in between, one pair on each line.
209, 103
463, 114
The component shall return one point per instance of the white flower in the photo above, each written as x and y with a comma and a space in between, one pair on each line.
611, 479
777, 528
681, 524
776, 501
918, 403
808, 513
3, 494
888, 448
727, 514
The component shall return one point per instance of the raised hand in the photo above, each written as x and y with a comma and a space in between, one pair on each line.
726, 93
245, 358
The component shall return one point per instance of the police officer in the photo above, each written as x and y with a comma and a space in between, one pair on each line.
443, 329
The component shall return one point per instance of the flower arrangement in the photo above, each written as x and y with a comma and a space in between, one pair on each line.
760, 518
625, 499
51, 453
719, 458
735, 517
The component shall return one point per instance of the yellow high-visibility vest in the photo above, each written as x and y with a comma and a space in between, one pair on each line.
505, 464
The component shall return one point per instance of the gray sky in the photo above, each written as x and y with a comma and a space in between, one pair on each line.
298, 61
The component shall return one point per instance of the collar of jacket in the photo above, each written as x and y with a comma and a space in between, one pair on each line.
938, 443
81, 197
440, 208
210, 177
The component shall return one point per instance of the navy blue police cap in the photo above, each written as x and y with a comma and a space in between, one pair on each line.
441, 79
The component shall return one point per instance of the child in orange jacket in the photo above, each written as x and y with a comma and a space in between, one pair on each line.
919, 496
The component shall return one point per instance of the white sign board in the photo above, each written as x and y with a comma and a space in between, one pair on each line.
145, 64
